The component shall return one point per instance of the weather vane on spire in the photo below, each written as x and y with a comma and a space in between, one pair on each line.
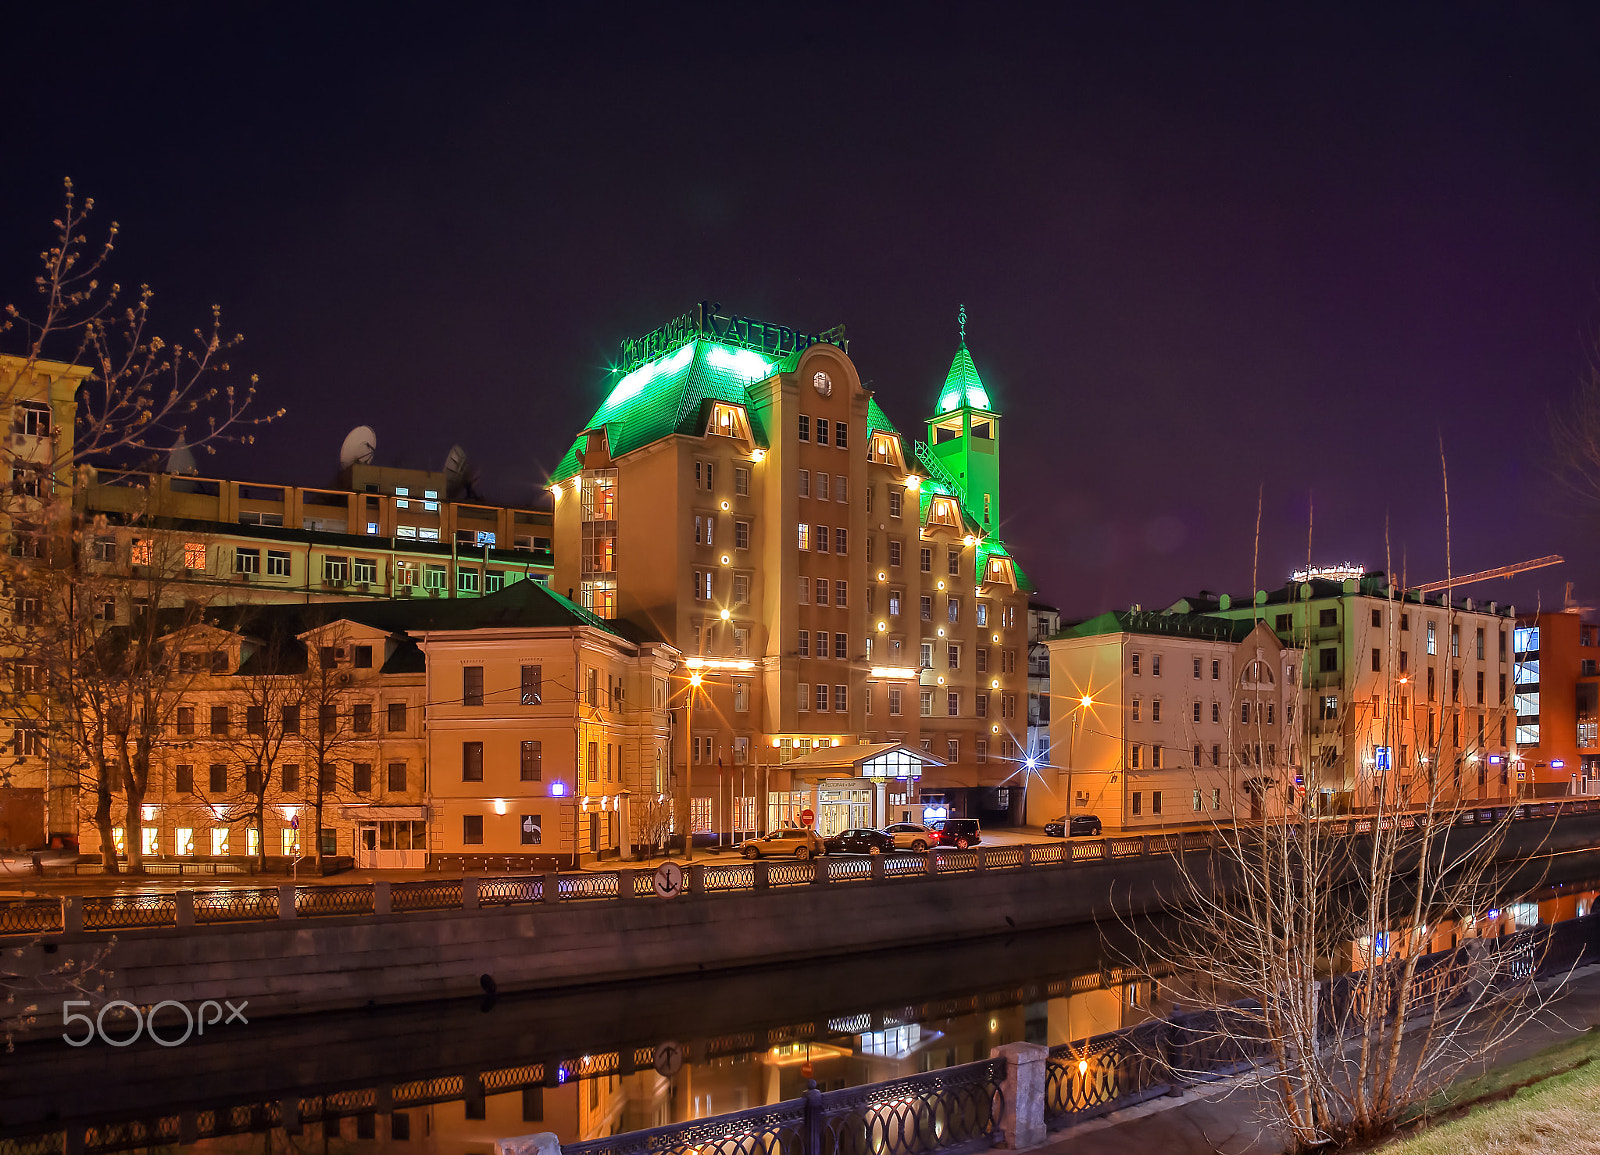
962, 317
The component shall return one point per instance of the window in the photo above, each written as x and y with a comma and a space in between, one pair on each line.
466, 581
741, 641
983, 614
822, 698
360, 718
246, 561
1133, 666
702, 584
953, 703
952, 609
335, 569
1377, 657
953, 656
841, 697
1455, 641
433, 577
1328, 659
1433, 642
31, 419
397, 718
1216, 712
741, 535
1329, 707
741, 481
927, 703
841, 486
952, 749
802, 697
840, 540
927, 655
1138, 796
841, 646
218, 779
1244, 712
981, 705
822, 486
804, 644
1155, 709
219, 719
1216, 754
1135, 704
532, 760
840, 429
822, 431
925, 562
1195, 712
822, 591
194, 555
291, 779
397, 777
841, 591
952, 563
361, 777
1216, 670
894, 603
532, 686
894, 551
895, 696
1155, 795
896, 498
926, 601
1155, 665
361, 657
805, 427
472, 830
472, 685
532, 828
183, 779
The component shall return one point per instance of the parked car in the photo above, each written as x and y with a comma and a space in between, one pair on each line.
1082, 824
957, 832
859, 842
790, 842
910, 836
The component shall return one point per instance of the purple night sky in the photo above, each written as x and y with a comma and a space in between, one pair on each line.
1201, 253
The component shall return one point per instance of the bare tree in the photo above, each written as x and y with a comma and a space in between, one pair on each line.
1309, 938
651, 820
268, 695
326, 690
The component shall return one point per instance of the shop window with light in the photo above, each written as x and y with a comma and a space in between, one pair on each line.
219, 841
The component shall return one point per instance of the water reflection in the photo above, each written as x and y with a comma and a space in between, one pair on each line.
456, 1077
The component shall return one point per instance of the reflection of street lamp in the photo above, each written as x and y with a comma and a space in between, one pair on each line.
688, 767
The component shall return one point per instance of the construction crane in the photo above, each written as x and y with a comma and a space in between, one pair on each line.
1504, 571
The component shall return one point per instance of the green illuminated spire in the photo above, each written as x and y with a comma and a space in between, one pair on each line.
962, 385
964, 436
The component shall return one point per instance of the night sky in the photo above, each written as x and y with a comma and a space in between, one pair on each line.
1201, 254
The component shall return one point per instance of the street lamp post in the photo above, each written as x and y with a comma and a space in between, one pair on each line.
1072, 755
688, 768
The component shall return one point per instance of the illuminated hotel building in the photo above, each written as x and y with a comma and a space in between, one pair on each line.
835, 584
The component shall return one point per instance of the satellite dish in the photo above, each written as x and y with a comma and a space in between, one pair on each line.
180, 459
455, 468
359, 446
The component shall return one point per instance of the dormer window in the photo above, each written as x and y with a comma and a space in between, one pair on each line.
728, 420
884, 448
942, 511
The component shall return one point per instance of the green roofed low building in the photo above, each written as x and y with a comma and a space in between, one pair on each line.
1161, 719
740, 493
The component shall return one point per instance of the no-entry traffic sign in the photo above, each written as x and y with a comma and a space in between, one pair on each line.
807, 818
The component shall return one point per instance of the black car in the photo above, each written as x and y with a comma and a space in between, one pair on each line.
1082, 824
860, 842
957, 832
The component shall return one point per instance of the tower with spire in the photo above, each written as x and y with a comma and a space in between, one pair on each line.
964, 436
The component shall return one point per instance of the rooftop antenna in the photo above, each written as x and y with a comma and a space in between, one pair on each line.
180, 459
359, 446
961, 319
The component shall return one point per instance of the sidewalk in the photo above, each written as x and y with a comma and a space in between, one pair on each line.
1226, 1118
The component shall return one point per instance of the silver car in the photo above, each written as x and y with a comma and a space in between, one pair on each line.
910, 836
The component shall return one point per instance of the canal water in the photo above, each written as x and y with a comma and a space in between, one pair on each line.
455, 1077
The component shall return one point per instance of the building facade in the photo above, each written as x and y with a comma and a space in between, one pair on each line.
1402, 688
829, 580
509, 731
1557, 678
1044, 622
1165, 718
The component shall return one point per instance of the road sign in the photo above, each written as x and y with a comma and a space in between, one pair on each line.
807, 818
294, 823
668, 1060
668, 881
807, 1070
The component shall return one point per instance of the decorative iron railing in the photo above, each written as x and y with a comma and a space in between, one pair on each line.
126, 912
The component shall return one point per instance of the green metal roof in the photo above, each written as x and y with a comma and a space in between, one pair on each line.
666, 396
962, 385
1159, 622
877, 421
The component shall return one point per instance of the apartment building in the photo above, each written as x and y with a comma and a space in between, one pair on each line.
1163, 718
1557, 679
405, 735
36, 796
1401, 687
830, 581
381, 533
1044, 622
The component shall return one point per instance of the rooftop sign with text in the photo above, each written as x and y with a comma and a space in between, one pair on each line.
704, 321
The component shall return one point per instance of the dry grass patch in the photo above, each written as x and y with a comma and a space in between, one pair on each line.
1558, 1115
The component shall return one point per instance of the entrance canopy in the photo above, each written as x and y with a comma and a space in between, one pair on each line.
867, 760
